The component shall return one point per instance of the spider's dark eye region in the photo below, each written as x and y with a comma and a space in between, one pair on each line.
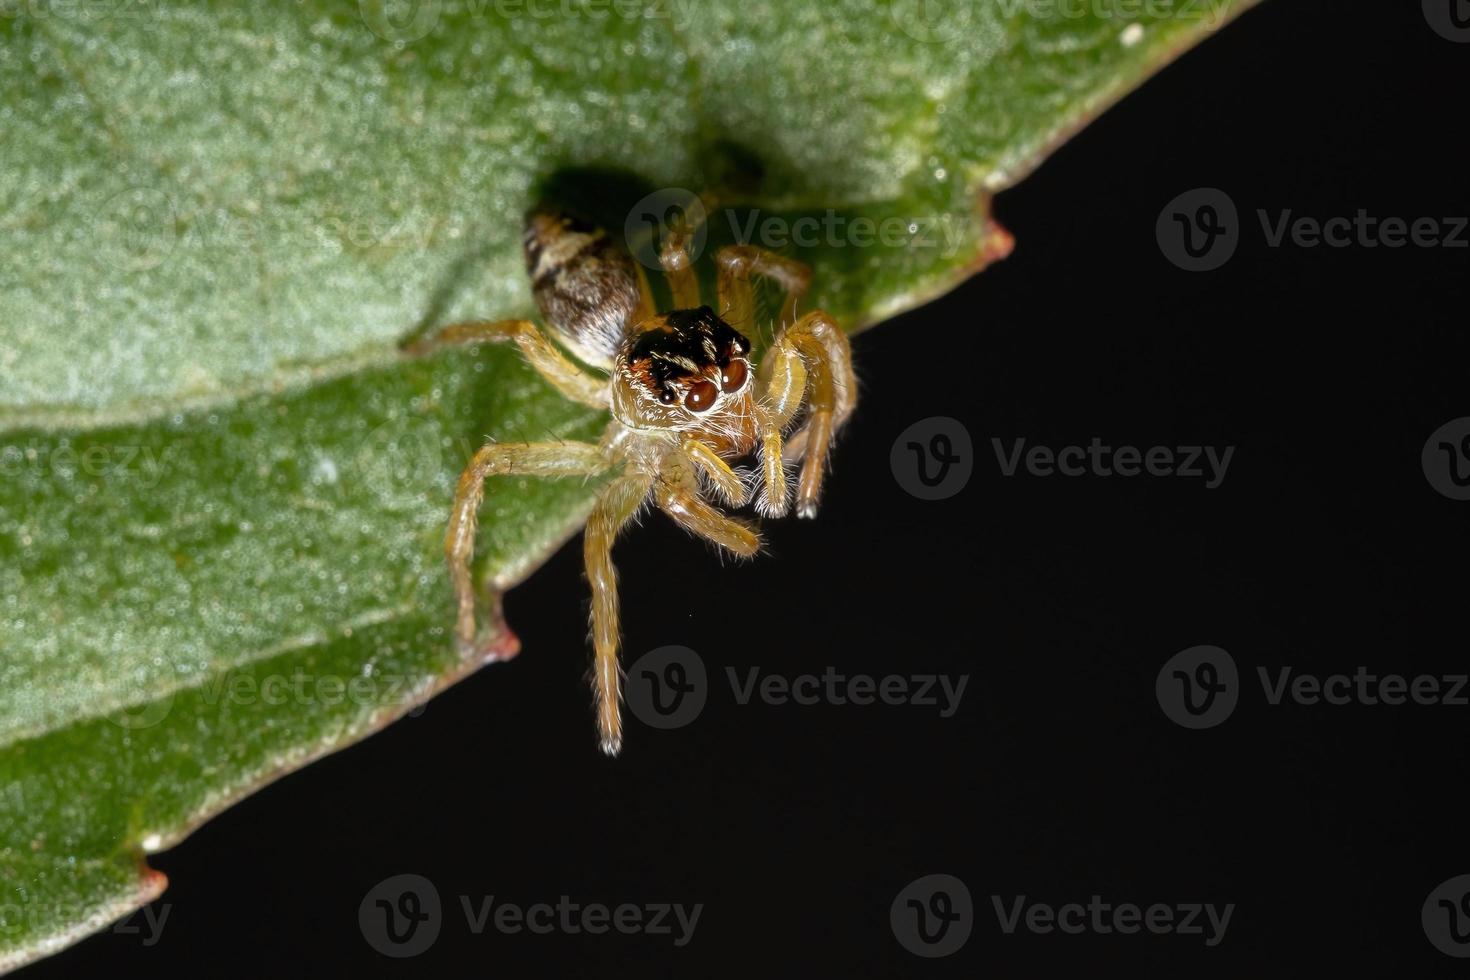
702, 395
733, 376
683, 347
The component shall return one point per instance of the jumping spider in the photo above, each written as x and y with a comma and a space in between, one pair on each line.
685, 401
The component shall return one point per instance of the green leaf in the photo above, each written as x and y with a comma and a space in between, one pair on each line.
222, 492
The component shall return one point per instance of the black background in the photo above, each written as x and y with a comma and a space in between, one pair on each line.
1059, 778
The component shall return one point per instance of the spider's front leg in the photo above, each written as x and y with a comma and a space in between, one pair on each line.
549, 459
542, 354
782, 378
739, 265
811, 358
678, 267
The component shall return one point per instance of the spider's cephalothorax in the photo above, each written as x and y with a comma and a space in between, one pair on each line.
681, 370
686, 402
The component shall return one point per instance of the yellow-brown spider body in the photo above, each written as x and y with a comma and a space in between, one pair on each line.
685, 402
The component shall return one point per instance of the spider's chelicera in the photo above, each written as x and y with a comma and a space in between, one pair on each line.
686, 402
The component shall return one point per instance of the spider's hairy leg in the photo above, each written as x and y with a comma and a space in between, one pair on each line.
647, 306
821, 347
779, 403
773, 498
679, 267
615, 506
782, 382
543, 355
550, 459
727, 482
739, 264
677, 493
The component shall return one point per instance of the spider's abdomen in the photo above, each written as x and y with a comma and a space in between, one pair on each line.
586, 287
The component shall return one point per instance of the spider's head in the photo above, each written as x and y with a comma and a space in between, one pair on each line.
681, 368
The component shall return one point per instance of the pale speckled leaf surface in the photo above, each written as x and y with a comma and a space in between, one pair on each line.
221, 491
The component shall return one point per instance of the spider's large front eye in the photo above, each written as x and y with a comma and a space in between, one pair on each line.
702, 395
733, 376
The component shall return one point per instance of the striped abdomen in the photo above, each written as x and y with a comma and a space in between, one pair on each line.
587, 288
